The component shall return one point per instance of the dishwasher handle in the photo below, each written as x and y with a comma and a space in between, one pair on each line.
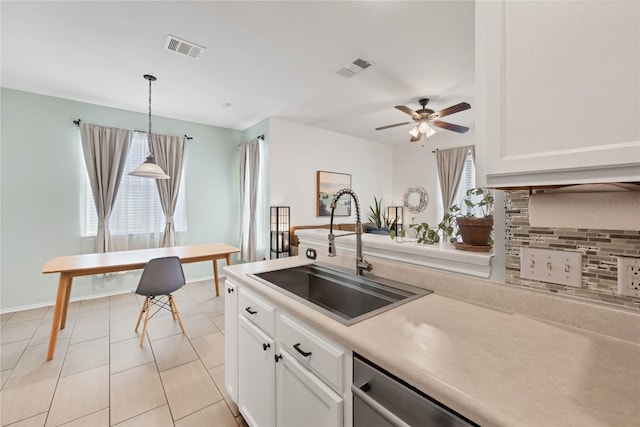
376, 406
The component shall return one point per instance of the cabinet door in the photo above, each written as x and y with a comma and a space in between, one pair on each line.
557, 91
303, 399
256, 376
231, 339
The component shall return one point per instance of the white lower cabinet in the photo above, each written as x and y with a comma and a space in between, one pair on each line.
302, 399
231, 338
256, 375
286, 374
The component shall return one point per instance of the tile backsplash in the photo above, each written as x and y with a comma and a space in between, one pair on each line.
599, 249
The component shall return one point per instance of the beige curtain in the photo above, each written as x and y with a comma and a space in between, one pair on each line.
249, 181
168, 152
105, 151
450, 166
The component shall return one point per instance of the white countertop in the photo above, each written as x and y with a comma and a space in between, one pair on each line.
496, 368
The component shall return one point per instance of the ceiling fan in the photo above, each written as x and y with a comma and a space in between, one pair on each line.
426, 119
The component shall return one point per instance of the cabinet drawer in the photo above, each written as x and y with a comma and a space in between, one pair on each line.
257, 311
312, 350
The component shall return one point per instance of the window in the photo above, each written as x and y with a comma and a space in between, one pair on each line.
137, 209
467, 181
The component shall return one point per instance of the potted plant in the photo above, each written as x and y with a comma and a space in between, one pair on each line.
476, 225
378, 218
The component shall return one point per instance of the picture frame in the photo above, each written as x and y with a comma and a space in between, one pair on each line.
328, 184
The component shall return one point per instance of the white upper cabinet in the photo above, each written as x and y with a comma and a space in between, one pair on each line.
558, 91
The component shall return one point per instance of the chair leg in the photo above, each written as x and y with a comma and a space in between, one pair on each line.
146, 319
142, 310
176, 314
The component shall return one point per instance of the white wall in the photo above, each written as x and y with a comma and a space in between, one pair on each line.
42, 177
298, 151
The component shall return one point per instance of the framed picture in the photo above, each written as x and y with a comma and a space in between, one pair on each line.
329, 183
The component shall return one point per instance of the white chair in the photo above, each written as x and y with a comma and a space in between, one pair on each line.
160, 277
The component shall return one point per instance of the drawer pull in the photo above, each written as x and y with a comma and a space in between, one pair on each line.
248, 310
302, 352
229, 290
277, 357
266, 346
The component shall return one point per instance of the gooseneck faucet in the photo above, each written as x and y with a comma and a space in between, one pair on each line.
361, 264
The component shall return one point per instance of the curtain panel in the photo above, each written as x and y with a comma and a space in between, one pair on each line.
105, 151
249, 181
450, 163
168, 152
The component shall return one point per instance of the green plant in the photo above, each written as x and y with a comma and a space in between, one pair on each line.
392, 231
478, 203
377, 215
425, 233
447, 227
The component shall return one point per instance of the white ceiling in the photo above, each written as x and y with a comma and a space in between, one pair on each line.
267, 59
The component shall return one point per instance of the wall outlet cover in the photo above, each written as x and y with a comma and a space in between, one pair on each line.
629, 276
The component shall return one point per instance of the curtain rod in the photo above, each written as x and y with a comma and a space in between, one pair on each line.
77, 123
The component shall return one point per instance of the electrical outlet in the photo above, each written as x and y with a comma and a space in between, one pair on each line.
629, 276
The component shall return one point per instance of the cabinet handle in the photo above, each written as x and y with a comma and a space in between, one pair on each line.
229, 290
302, 352
248, 309
277, 357
266, 346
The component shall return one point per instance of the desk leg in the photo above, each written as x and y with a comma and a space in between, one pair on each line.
65, 305
64, 288
215, 276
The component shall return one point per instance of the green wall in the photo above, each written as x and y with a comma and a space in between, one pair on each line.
42, 176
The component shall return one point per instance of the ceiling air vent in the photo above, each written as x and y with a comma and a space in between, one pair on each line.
183, 47
352, 68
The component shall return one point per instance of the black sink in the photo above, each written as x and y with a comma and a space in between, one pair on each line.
340, 294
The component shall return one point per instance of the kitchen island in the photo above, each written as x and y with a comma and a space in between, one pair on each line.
494, 366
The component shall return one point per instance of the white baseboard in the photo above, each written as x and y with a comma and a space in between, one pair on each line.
222, 277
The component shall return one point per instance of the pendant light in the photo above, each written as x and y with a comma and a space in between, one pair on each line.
149, 168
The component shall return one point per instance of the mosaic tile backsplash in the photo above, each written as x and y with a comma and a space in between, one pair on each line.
599, 249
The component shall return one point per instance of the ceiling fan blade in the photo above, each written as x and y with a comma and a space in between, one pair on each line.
392, 126
409, 111
448, 111
450, 126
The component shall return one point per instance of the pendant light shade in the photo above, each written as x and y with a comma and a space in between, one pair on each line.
149, 168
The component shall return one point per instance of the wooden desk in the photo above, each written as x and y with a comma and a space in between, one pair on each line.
90, 264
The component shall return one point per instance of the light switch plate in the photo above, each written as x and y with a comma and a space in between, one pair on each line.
546, 265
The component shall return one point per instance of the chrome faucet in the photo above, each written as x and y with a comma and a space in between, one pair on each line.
361, 264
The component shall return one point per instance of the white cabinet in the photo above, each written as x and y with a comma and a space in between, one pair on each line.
256, 375
302, 398
287, 373
231, 339
558, 91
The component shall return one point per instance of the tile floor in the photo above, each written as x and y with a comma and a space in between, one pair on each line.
100, 376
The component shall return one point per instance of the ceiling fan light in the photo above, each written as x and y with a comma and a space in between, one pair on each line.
423, 126
149, 169
430, 131
414, 132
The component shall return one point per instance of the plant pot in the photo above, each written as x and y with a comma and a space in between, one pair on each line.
475, 231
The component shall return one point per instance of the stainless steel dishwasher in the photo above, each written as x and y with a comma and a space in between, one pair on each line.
380, 399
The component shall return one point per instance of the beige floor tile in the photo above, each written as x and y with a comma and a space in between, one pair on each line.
189, 388
210, 348
4, 376
123, 329
90, 325
123, 310
218, 320
34, 359
25, 397
10, 353
159, 417
198, 325
42, 334
86, 355
19, 331
135, 391
127, 354
188, 307
72, 312
35, 421
217, 374
97, 419
6, 316
213, 306
173, 351
122, 298
34, 314
94, 304
215, 415
160, 327
79, 395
